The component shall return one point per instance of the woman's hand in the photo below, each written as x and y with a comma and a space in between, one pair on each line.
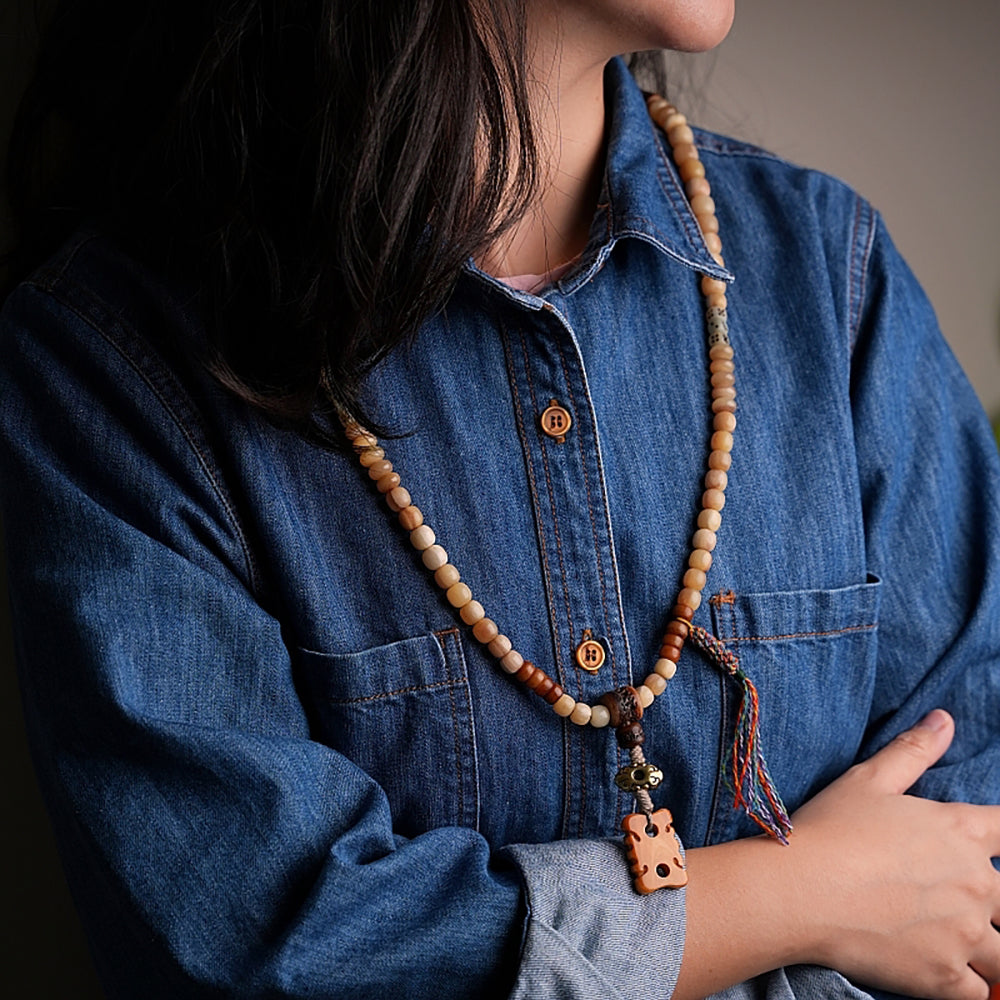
891, 890
904, 892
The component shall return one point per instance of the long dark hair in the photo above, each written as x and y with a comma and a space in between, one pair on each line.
321, 168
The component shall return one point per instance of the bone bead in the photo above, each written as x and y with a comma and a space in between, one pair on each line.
703, 539
512, 661
665, 668
716, 479
388, 482
370, 456
500, 646
411, 517
701, 558
397, 499
710, 519
713, 499
656, 684
458, 595
422, 538
472, 612
379, 469
564, 706
447, 576
580, 715
485, 630
646, 696
599, 716
434, 557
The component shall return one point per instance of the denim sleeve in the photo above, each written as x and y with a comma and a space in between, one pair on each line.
212, 847
930, 486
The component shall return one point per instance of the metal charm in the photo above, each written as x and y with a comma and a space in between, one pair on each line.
641, 777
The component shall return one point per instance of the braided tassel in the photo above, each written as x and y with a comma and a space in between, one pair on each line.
753, 788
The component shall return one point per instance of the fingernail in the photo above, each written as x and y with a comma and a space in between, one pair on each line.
935, 720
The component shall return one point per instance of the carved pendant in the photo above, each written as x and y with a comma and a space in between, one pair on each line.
654, 856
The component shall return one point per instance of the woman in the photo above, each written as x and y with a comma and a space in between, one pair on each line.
279, 761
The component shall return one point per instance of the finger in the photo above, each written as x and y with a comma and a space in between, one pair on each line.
897, 766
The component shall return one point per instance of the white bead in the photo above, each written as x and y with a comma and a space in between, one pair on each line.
645, 695
434, 557
599, 716
581, 714
665, 668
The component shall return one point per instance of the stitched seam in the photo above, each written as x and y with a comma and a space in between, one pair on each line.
454, 725
801, 635
389, 694
171, 411
552, 499
863, 286
535, 500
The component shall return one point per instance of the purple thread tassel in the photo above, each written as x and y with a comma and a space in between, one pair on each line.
752, 785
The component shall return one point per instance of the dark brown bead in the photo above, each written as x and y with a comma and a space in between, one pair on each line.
673, 640
630, 735
527, 670
554, 695
678, 629
536, 680
669, 653
545, 686
623, 704
682, 611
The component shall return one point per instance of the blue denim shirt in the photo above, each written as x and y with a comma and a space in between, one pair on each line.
277, 763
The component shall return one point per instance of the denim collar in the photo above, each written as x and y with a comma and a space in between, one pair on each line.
642, 196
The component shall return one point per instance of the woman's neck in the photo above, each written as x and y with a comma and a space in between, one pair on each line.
569, 120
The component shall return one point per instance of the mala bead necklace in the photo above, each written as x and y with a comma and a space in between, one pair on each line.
652, 847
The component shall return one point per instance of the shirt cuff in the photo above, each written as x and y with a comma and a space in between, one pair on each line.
589, 935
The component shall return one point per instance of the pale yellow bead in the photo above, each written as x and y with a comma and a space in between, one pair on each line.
690, 597
716, 479
434, 557
701, 558
710, 519
398, 498
512, 661
722, 441
680, 134
599, 716
500, 646
665, 668
703, 539
695, 579
485, 630
422, 538
645, 695
656, 684
581, 714
458, 595
447, 576
713, 499
472, 612
564, 706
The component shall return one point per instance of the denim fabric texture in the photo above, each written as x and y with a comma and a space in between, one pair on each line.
277, 763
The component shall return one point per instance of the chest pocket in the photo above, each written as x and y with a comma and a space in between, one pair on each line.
403, 713
812, 656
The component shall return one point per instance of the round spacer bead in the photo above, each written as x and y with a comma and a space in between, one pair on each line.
388, 482
472, 612
710, 519
485, 630
447, 576
458, 595
716, 479
665, 668
599, 716
370, 456
722, 441
656, 684
701, 558
580, 715
690, 598
434, 557
500, 646
713, 499
512, 661
411, 517
703, 539
398, 499
422, 538
720, 460
724, 422
564, 706
379, 469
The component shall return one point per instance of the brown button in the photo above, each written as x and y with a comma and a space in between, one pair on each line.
590, 655
556, 421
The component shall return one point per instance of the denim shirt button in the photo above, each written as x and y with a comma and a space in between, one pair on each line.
590, 654
556, 421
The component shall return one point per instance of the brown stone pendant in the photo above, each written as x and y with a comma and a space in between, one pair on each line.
654, 855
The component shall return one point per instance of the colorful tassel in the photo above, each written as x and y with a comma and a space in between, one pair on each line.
752, 785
